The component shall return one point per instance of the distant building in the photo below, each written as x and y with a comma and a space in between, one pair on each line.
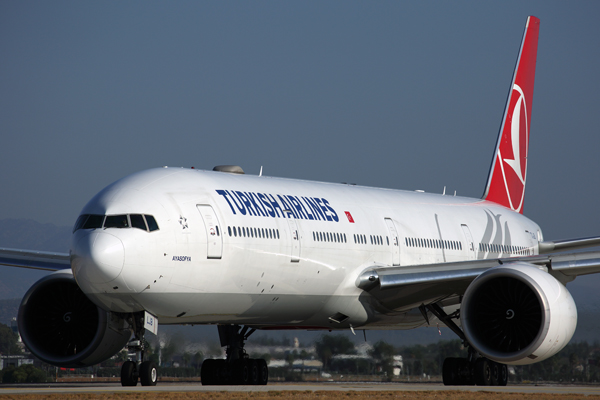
14, 361
398, 365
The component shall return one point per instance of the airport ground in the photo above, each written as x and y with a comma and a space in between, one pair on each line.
319, 391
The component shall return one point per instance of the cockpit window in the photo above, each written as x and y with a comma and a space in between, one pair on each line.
116, 221
152, 225
93, 222
80, 221
137, 221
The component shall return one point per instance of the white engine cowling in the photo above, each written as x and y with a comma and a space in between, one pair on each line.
518, 314
62, 327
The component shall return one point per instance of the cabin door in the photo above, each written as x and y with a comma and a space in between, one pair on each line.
295, 239
394, 241
214, 234
469, 241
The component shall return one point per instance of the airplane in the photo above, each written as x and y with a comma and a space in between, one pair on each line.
252, 252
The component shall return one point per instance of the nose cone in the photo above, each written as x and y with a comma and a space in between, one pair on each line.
97, 257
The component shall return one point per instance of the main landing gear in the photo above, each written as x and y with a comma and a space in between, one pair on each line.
238, 368
132, 370
472, 370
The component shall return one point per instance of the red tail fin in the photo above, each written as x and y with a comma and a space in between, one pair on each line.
506, 180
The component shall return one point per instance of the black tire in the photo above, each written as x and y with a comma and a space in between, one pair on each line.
502, 375
222, 372
449, 371
463, 372
254, 373
209, 373
241, 372
148, 373
263, 372
483, 372
495, 367
129, 374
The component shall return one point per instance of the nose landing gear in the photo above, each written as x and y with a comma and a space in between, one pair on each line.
135, 369
237, 368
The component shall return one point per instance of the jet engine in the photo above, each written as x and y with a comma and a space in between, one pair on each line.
62, 327
518, 314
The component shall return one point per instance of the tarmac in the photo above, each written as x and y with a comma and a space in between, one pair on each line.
99, 388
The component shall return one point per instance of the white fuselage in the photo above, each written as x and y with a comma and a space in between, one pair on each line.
274, 252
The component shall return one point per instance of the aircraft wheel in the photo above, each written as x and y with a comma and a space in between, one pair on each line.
463, 372
209, 374
499, 374
241, 372
449, 371
254, 373
129, 374
483, 372
148, 373
263, 372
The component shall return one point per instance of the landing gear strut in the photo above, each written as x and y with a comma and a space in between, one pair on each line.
135, 369
237, 368
472, 370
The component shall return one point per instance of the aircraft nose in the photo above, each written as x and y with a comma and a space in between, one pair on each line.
97, 257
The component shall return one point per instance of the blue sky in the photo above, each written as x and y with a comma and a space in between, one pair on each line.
404, 95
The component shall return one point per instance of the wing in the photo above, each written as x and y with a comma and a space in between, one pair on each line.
42, 260
404, 288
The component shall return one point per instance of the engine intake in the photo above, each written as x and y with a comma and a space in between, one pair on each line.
518, 314
62, 327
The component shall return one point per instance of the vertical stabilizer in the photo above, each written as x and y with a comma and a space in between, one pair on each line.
506, 180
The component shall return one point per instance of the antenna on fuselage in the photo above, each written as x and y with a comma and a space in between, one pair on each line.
260, 173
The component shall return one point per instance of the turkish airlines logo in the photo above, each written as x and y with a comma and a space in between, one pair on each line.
516, 144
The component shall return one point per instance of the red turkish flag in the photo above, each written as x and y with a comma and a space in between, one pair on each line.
349, 217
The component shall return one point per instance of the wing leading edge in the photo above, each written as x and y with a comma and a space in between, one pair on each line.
42, 260
405, 288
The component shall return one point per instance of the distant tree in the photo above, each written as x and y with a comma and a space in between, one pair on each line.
573, 362
266, 356
329, 345
186, 358
197, 359
8, 341
417, 368
168, 350
451, 348
383, 354
24, 374
290, 358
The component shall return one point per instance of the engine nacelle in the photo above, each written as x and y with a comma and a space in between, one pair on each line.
62, 327
518, 314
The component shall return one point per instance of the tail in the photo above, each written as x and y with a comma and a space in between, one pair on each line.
506, 180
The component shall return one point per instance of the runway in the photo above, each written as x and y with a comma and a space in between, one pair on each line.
114, 388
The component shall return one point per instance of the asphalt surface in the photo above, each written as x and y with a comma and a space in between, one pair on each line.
196, 387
